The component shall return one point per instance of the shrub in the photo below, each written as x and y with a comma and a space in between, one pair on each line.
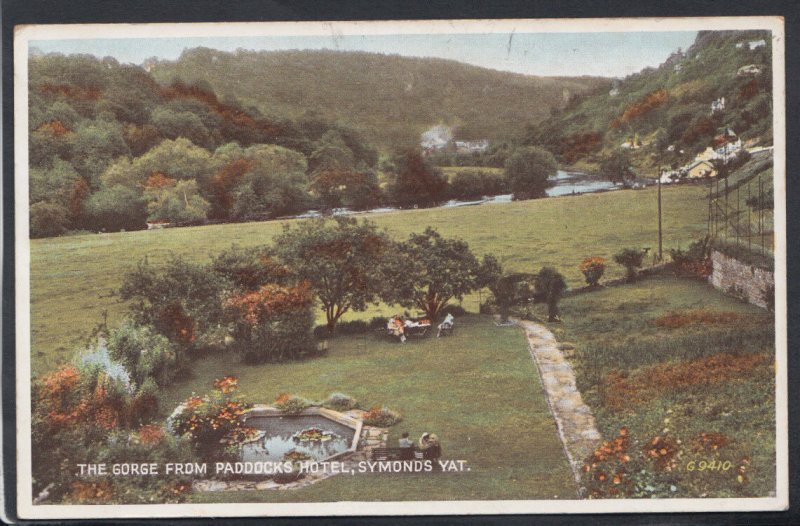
455, 310
273, 323
340, 402
291, 404
548, 287
321, 332
352, 327
179, 300
148, 444
695, 261
377, 322
144, 406
144, 353
214, 424
593, 269
631, 259
381, 417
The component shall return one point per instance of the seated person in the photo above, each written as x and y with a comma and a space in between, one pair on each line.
406, 448
446, 325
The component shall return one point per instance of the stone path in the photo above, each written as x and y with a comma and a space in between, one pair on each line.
576, 425
371, 438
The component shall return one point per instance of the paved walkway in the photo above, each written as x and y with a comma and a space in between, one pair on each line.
576, 425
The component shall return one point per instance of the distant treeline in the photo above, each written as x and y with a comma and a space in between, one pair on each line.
112, 149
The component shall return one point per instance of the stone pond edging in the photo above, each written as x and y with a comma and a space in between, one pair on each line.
370, 438
574, 420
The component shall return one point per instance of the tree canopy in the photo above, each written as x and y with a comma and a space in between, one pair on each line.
426, 271
341, 259
528, 169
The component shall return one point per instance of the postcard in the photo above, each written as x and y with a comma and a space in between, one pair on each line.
401, 268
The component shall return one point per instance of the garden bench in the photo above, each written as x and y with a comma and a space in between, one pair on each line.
393, 453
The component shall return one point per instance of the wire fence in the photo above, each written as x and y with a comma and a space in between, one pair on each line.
741, 213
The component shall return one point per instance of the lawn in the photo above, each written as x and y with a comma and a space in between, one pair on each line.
72, 278
478, 390
674, 357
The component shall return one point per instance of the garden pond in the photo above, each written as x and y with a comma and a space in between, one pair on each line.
313, 437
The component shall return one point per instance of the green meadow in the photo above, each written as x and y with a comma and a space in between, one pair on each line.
477, 389
73, 278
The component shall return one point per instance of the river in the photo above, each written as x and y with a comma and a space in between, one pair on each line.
564, 183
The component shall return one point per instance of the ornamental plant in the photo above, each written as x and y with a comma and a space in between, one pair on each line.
340, 402
381, 417
290, 403
213, 423
273, 323
593, 269
631, 259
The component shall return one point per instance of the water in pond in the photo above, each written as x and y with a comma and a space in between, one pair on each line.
277, 439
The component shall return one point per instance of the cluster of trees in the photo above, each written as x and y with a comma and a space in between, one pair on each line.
260, 302
111, 149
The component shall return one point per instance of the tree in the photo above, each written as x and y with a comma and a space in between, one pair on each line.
340, 258
117, 207
273, 323
416, 181
427, 271
617, 167
176, 202
528, 169
548, 288
180, 300
511, 290
48, 219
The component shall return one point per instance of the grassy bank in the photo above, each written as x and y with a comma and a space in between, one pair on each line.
675, 358
72, 278
478, 390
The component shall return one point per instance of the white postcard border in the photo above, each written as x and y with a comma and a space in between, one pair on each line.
24, 34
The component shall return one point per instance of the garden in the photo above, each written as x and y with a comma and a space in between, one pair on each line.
292, 322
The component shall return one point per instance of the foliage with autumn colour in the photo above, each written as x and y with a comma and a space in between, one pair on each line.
213, 423
273, 323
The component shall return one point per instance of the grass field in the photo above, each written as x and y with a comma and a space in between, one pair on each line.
664, 338
451, 171
478, 390
72, 278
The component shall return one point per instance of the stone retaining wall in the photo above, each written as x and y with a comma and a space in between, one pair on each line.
740, 279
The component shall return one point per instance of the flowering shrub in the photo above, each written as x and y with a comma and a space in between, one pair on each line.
609, 470
695, 261
214, 421
340, 402
273, 323
622, 391
662, 450
381, 417
227, 384
291, 403
617, 469
678, 319
710, 442
593, 269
